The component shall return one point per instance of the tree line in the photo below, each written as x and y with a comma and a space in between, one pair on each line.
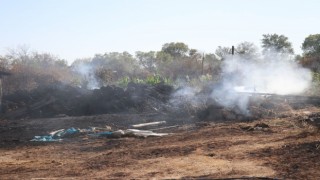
175, 62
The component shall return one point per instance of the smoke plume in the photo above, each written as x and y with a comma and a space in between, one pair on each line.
240, 77
86, 71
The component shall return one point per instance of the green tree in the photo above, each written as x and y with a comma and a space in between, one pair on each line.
176, 60
247, 50
311, 45
274, 43
311, 52
195, 54
123, 64
192, 52
148, 60
176, 50
164, 57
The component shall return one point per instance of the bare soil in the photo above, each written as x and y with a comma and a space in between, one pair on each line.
286, 147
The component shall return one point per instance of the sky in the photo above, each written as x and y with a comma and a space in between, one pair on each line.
71, 29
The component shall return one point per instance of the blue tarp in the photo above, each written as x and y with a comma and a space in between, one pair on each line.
102, 134
56, 135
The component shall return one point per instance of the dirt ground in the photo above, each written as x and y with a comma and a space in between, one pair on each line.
286, 147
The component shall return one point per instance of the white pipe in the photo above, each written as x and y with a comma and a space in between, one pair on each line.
149, 124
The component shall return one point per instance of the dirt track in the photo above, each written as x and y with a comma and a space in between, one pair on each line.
281, 148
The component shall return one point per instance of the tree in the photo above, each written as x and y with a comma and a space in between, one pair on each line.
32, 69
195, 55
176, 60
212, 65
176, 50
147, 60
311, 52
274, 43
4, 63
311, 45
223, 52
193, 52
247, 50
21, 54
164, 57
311, 62
123, 63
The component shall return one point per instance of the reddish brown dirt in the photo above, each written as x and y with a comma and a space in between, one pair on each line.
280, 148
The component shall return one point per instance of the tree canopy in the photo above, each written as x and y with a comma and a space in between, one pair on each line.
223, 52
176, 50
274, 43
247, 50
311, 45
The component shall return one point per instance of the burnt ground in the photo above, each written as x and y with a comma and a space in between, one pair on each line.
284, 147
280, 139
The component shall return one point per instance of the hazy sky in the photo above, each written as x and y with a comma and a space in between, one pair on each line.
74, 29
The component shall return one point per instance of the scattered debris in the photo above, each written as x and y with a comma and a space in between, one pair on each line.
143, 133
45, 139
128, 133
258, 126
72, 132
261, 126
148, 124
57, 135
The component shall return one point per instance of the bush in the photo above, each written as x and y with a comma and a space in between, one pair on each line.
315, 86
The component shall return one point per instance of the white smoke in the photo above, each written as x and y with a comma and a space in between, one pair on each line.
275, 76
188, 98
86, 70
185, 94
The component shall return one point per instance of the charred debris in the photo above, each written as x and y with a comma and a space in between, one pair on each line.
63, 100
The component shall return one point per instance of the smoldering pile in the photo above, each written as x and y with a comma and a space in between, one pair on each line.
249, 90
242, 106
185, 102
64, 100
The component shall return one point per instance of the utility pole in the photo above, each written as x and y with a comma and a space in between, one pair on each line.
202, 70
232, 50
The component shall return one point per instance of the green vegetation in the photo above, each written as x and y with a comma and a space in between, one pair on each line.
276, 43
316, 78
315, 87
311, 45
173, 64
152, 80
